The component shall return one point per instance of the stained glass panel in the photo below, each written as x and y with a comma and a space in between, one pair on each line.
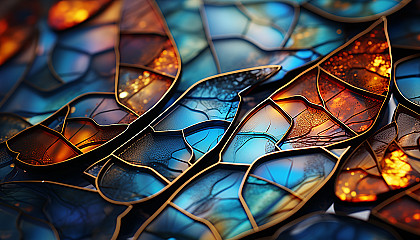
209, 119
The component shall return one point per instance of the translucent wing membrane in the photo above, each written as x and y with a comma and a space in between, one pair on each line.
338, 99
179, 137
83, 125
227, 197
149, 62
82, 59
388, 160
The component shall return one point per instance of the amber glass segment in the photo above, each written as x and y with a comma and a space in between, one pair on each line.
41, 146
65, 14
306, 87
365, 63
358, 111
86, 135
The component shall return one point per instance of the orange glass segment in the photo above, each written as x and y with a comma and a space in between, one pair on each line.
305, 86
86, 135
65, 14
396, 168
404, 211
140, 90
355, 110
365, 63
359, 186
167, 61
41, 146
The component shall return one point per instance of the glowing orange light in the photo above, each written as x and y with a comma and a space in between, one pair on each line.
396, 169
66, 14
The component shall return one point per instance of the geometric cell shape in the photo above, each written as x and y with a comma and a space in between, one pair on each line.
300, 174
276, 203
312, 125
399, 170
408, 122
380, 140
86, 135
215, 98
69, 64
257, 135
121, 182
214, 197
381, 163
140, 90
355, 77
102, 108
306, 87
205, 136
40, 145
365, 63
165, 152
215, 37
355, 110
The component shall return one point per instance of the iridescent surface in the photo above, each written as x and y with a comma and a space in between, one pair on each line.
149, 62
182, 134
214, 197
83, 125
75, 213
341, 99
358, 11
228, 197
125, 183
68, 64
329, 226
386, 161
219, 37
402, 210
407, 79
83, 59
230, 158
